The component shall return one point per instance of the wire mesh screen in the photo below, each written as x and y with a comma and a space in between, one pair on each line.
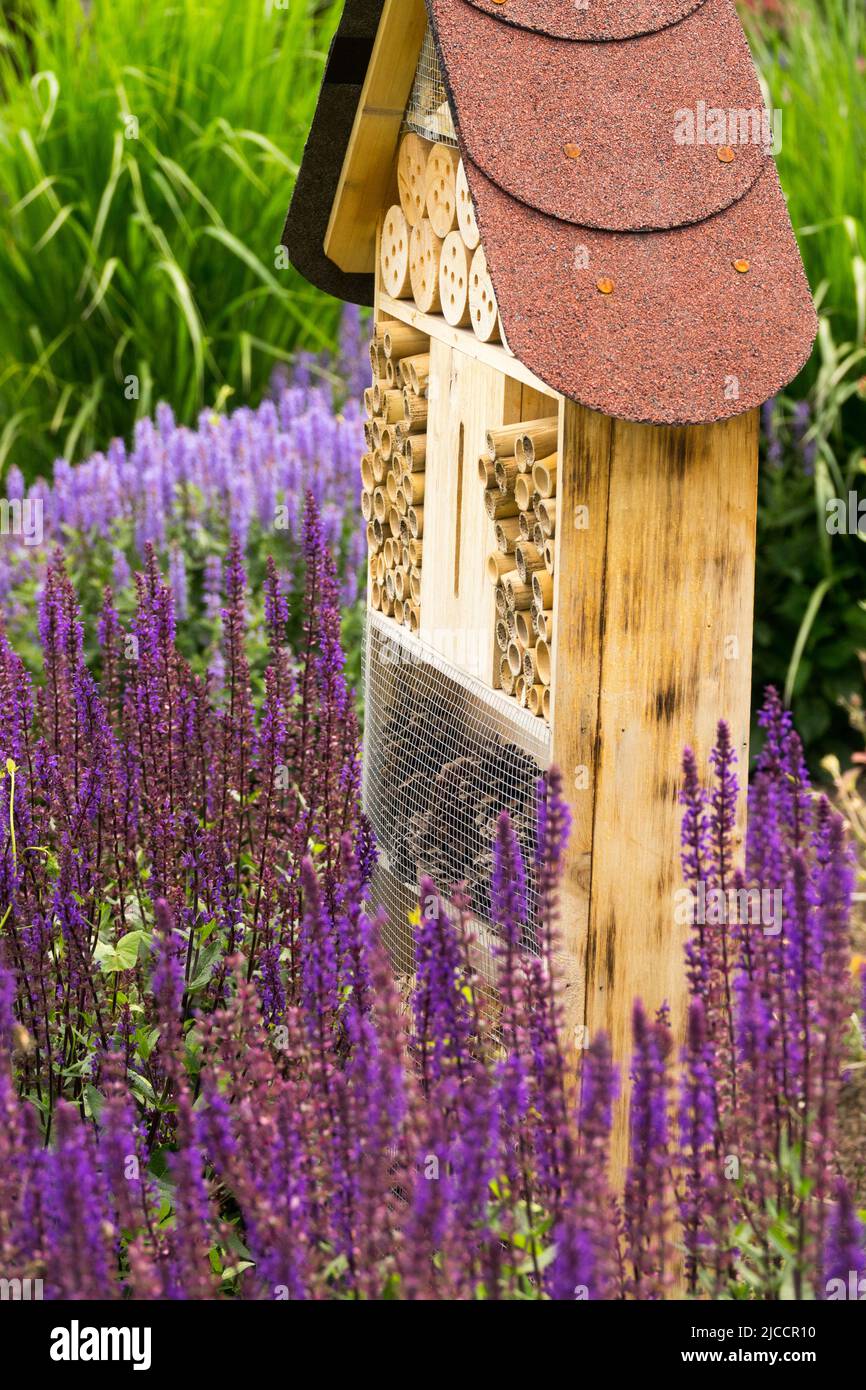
428, 112
444, 755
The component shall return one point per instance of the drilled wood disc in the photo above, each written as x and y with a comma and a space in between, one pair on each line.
441, 188
412, 176
394, 255
482, 300
454, 281
425, 250
466, 210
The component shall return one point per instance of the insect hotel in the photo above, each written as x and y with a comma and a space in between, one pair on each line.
584, 283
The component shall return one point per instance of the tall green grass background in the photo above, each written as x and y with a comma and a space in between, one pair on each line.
147, 155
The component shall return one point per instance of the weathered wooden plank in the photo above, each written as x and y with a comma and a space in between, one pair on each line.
578, 602
675, 657
367, 176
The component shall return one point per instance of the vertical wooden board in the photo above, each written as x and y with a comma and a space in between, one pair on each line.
367, 180
467, 397
578, 602
676, 629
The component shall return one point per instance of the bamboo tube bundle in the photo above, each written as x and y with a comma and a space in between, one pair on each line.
502, 638
373, 543
380, 467
388, 552
389, 586
392, 407
414, 410
368, 480
514, 655
500, 442
391, 373
535, 699
380, 505
416, 522
530, 667
394, 521
386, 442
542, 588
482, 300
499, 505
375, 596
406, 530
387, 604
511, 624
415, 553
507, 533
538, 442
398, 610
367, 504
501, 600
550, 556
415, 452
441, 189
526, 521
454, 281
521, 691
369, 443
519, 595
418, 371
405, 559
402, 340
545, 625
425, 255
523, 492
394, 254
538, 537
528, 559
505, 473
392, 483
400, 502
466, 220
412, 176
545, 511
524, 629
544, 473
415, 586
498, 563
401, 584
376, 355
506, 677
370, 400
413, 488
414, 618
378, 530
545, 704
542, 661
403, 371
487, 472
379, 387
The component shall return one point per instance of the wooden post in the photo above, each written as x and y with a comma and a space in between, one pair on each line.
654, 590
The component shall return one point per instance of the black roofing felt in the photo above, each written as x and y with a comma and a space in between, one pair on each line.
316, 186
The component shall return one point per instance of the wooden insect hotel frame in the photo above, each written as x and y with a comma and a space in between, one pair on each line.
579, 302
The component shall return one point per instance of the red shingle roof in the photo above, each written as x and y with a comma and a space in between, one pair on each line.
644, 275
649, 276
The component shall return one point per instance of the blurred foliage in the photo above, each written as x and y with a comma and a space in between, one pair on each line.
811, 585
147, 157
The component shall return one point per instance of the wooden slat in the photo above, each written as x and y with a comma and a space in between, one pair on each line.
578, 602
491, 354
666, 587
457, 606
367, 176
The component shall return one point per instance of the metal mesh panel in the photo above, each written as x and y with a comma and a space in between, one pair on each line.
443, 756
428, 112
